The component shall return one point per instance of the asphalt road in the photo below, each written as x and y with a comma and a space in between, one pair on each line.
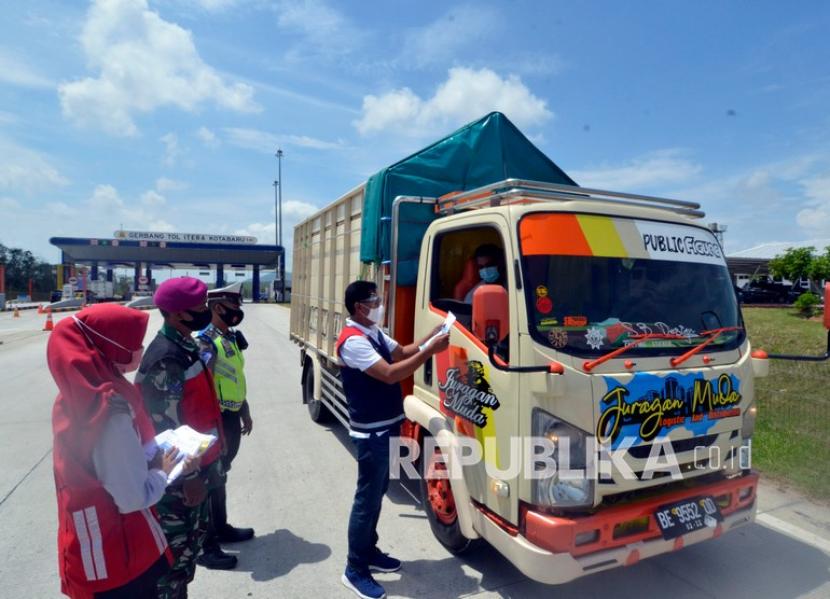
293, 482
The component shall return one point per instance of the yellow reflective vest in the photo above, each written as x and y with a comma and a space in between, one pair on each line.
229, 374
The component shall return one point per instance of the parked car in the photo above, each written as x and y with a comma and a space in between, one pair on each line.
766, 293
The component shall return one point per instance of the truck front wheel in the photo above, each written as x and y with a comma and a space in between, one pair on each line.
439, 503
316, 410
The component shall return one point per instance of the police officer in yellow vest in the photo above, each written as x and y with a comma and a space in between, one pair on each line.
221, 348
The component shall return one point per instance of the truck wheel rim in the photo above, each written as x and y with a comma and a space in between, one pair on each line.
439, 492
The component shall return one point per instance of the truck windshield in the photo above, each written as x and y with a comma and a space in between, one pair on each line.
595, 283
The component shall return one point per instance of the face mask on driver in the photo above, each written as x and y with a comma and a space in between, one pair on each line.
489, 274
199, 320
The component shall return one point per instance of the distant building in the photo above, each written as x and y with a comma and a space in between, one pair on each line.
754, 262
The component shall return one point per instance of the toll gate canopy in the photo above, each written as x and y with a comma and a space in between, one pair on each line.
144, 252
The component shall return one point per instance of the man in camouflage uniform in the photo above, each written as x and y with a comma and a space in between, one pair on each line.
178, 390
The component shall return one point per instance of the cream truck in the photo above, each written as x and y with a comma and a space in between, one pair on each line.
612, 335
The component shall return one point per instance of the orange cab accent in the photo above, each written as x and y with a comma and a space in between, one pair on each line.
537, 240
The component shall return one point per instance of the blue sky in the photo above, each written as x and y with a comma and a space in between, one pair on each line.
165, 115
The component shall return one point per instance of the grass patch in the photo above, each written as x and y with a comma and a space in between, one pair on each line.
792, 436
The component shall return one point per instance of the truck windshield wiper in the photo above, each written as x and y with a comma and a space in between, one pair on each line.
589, 365
711, 336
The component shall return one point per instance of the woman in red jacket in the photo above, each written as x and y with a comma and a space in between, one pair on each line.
108, 471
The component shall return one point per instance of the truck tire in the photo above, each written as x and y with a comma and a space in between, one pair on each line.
318, 412
439, 505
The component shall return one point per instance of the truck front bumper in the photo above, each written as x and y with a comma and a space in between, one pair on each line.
555, 550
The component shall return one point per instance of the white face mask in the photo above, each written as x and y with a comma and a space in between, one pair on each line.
376, 314
135, 356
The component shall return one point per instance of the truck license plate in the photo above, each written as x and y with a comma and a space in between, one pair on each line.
678, 518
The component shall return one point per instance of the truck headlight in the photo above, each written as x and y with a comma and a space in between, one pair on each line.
556, 491
750, 416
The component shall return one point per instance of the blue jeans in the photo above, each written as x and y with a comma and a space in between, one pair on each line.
372, 483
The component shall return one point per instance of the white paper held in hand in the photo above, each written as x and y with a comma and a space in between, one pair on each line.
189, 442
445, 328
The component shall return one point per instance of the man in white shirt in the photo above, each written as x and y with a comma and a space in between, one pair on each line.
374, 364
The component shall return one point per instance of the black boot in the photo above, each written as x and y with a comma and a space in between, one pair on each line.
213, 558
231, 534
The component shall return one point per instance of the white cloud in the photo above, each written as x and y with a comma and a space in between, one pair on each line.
105, 208
815, 218
263, 141
152, 199
161, 225
215, 5
252, 139
466, 95
264, 232
293, 212
656, 168
324, 30
207, 136
14, 71
26, 171
164, 184
61, 210
440, 41
143, 62
105, 198
171, 148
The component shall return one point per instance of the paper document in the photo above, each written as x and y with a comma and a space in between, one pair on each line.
189, 442
445, 328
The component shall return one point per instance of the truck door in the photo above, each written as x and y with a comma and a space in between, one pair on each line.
480, 402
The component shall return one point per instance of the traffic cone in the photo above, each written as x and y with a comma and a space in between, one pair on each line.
49, 324
40, 308
16, 313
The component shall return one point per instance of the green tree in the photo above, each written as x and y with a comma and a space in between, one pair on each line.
794, 263
22, 266
820, 268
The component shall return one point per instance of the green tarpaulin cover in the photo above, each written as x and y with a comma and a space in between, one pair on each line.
488, 150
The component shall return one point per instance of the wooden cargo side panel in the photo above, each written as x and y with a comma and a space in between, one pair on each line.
326, 260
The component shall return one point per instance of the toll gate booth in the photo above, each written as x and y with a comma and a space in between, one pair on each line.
144, 251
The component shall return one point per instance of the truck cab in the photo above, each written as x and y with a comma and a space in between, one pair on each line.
621, 342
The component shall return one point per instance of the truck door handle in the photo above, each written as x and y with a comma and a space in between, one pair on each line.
428, 371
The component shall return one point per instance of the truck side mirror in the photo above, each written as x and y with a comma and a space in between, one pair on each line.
827, 306
491, 319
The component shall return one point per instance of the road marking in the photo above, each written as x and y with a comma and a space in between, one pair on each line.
794, 531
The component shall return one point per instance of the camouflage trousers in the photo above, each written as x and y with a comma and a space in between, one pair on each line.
185, 528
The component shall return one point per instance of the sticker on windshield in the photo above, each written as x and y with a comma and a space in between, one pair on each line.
576, 321
612, 237
544, 305
541, 291
650, 406
595, 337
548, 322
558, 338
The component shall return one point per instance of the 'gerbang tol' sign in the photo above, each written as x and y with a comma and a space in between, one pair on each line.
184, 237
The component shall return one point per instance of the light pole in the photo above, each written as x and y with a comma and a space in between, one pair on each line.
278, 201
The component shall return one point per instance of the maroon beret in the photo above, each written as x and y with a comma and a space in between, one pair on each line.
181, 293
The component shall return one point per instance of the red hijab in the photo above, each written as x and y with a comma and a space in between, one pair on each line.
81, 357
